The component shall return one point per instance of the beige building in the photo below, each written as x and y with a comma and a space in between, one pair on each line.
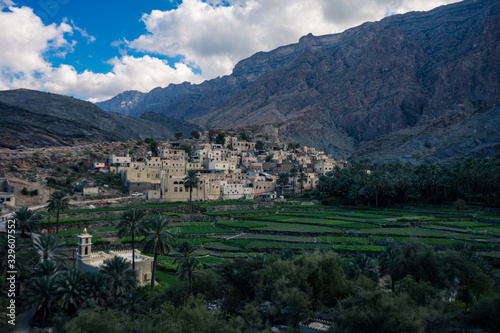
7, 193
88, 261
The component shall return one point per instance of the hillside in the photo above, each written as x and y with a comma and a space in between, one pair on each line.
35, 119
364, 92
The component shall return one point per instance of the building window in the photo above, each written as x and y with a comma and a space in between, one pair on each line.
175, 189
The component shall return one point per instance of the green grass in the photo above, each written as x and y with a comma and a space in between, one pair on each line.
169, 279
223, 247
212, 260
344, 239
200, 230
239, 212
430, 241
488, 229
167, 266
244, 225
297, 227
464, 224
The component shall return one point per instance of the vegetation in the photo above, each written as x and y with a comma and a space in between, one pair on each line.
191, 181
474, 179
58, 202
131, 225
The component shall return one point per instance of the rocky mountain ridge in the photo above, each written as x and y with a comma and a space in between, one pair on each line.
359, 90
37, 119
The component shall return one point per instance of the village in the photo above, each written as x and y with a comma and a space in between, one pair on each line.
228, 168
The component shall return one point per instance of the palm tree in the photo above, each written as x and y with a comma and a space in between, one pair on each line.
40, 293
27, 220
58, 202
468, 174
131, 225
378, 183
390, 263
121, 278
189, 271
158, 241
185, 249
49, 247
47, 268
133, 303
71, 290
282, 180
98, 288
191, 181
362, 265
293, 173
302, 179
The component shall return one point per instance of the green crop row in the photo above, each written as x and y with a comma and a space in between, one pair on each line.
344, 239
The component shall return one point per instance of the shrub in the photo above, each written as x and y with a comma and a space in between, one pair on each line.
460, 204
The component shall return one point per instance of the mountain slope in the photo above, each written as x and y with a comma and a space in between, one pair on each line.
348, 91
34, 119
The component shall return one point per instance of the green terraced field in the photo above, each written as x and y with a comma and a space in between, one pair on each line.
465, 224
344, 239
200, 230
431, 241
342, 230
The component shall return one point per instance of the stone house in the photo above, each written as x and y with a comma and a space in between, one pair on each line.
88, 261
7, 193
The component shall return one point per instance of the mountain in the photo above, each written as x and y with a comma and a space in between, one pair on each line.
397, 89
34, 119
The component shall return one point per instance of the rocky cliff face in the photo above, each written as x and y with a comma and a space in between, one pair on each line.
363, 89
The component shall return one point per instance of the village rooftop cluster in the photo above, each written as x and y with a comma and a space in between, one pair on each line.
233, 169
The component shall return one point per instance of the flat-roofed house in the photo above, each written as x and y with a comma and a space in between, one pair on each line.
88, 261
7, 193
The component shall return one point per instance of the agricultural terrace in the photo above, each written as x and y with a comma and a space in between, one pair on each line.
224, 231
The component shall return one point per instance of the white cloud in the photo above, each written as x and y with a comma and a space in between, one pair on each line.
215, 37
25, 42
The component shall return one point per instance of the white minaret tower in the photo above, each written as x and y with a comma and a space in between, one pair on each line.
84, 249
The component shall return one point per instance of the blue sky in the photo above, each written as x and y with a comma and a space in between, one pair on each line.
96, 49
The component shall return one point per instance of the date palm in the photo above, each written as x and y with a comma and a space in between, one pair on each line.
362, 265
98, 288
302, 179
121, 277
131, 225
282, 181
26, 220
71, 290
189, 271
186, 249
132, 303
191, 181
49, 247
293, 173
40, 293
58, 202
158, 240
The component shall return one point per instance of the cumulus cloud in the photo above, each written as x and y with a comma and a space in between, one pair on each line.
26, 41
215, 35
